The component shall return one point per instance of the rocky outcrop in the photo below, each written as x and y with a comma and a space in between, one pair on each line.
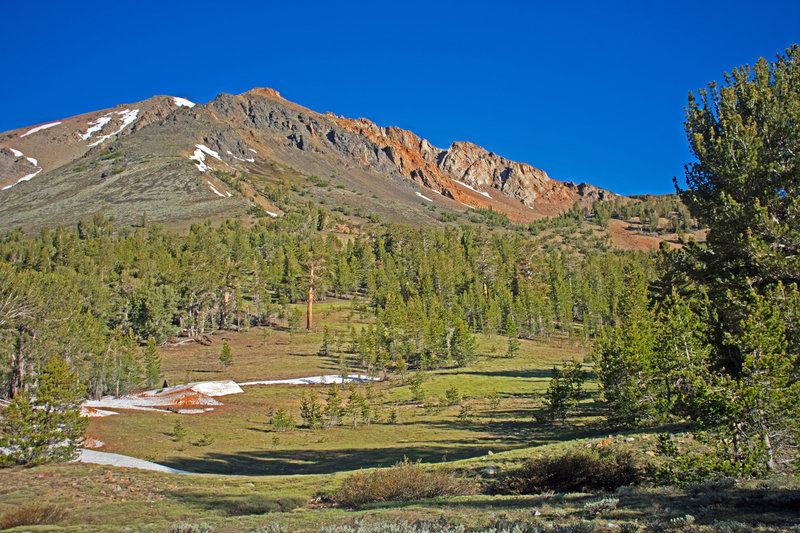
464, 172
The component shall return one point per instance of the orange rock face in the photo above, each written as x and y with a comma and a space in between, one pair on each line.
468, 166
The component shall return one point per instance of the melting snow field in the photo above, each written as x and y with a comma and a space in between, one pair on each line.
40, 128
16, 153
192, 398
423, 197
197, 397
183, 102
125, 461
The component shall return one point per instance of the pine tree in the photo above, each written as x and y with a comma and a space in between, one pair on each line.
333, 406
564, 392
225, 355
511, 333
462, 343
311, 410
45, 426
152, 364
324, 348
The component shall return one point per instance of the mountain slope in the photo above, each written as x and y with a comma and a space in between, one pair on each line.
167, 157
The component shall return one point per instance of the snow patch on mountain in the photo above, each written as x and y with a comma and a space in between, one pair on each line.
424, 197
16, 153
214, 190
95, 126
183, 102
200, 157
40, 128
23, 178
486, 194
127, 116
209, 151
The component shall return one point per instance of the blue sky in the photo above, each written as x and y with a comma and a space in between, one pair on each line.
587, 91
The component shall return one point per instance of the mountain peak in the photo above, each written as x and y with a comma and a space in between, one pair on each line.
264, 91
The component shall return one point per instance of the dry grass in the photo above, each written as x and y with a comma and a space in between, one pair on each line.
32, 515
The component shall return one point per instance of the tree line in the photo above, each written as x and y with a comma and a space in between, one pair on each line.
96, 295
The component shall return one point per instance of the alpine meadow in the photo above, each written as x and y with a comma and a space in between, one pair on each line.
246, 315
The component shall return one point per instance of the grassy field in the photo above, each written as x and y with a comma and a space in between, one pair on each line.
500, 394
263, 478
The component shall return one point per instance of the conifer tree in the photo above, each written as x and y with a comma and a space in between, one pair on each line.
511, 333
44, 426
152, 364
226, 355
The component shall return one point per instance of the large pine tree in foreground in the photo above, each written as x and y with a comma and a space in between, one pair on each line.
725, 345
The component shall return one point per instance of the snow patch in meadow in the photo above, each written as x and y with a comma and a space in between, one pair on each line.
33, 161
424, 197
197, 395
127, 117
183, 102
92, 412
217, 388
16, 153
115, 459
273, 215
40, 128
252, 150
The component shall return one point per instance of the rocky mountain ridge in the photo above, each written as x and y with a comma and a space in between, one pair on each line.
63, 166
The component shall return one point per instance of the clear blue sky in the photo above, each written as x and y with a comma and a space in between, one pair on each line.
588, 91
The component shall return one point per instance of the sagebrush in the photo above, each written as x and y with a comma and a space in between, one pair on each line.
576, 470
405, 480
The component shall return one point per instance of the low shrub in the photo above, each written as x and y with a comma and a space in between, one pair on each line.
187, 527
576, 470
263, 506
600, 506
403, 481
362, 526
32, 515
